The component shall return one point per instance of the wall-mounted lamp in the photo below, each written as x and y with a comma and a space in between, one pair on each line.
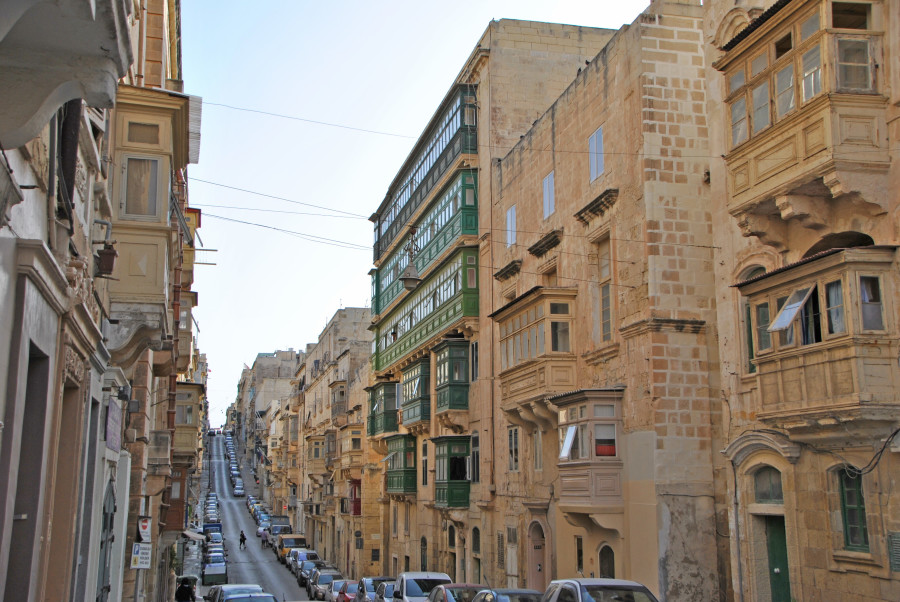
410, 276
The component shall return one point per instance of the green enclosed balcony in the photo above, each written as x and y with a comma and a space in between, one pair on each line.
382, 409
451, 134
438, 305
401, 459
416, 389
453, 215
451, 378
451, 485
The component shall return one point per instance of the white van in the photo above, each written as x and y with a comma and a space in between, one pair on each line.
415, 587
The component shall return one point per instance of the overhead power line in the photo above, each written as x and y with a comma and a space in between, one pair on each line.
309, 237
279, 198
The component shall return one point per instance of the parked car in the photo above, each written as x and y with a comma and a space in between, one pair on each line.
319, 582
285, 543
455, 592
263, 526
215, 538
589, 590
255, 597
347, 592
306, 568
367, 587
217, 593
296, 556
508, 594
333, 588
384, 592
215, 570
238, 491
415, 586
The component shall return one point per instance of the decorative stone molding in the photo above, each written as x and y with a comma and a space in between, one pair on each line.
655, 324
509, 270
748, 443
598, 206
546, 242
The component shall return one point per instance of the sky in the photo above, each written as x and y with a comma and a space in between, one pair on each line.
309, 110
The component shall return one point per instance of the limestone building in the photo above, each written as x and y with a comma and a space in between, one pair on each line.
803, 97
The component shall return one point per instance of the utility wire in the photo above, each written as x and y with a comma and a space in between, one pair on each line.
276, 211
280, 198
309, 237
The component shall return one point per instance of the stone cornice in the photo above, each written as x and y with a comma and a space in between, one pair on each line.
654, 324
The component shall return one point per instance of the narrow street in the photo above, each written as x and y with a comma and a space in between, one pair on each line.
255, 564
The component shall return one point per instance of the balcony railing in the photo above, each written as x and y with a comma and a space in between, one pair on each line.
402, 480
380, 423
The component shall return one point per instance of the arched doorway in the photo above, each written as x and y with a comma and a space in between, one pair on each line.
607, 563
106, 540
537, 558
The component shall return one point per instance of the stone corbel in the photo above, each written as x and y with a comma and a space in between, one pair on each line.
810, 211
513, 416
527, 412
544, 414
771, 232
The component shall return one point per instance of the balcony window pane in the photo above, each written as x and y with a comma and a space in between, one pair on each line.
559, 336
567, 435
809, 27
559, 308
786, 336
604, 411
540, 339
790, 309
141, 186
810, 320
759, 64
853, 64
784, 90
760, 106
605, 440
736, 81
812, 73
605, 314
783, 46
847, 15
870, 295
763, 338
834, 306
738, 121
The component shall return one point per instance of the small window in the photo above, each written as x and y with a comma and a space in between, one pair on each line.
559, 336
790, 310
549, 196
604, 440
853, 510
767, 486
559, 308
760, 98
568, 442
511, 226
850, 15
607, 563
141, 186
786, 336
738, 121
538, 450
870, 300
579, 554
759, 64
854, 64
810, 320
595, 151
513, 448
784, 45
834, 307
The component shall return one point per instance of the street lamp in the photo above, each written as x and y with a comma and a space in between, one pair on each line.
410, 276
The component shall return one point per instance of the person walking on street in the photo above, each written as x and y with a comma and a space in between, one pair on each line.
185, 593
243, 540
265, 537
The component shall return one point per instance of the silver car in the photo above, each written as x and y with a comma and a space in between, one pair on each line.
321, 585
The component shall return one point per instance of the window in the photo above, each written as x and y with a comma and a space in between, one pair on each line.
853, 510
767, 484
423, 554
451, 459
784, 90
406, 518
738, 121
783, 45
850, 15
511, 226
607, 563
763, 338
142, 186
424, 463
870, 302
394, 521
184, 414
812, 73
474, 356
579, 554
588, 431
834, 307
549, 196
476, 540
476, 459
559, 336
513, 448
604, 276
538, 450
595, 152
376, 554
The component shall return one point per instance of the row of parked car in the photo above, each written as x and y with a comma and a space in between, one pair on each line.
215, 566
238, 592
237, 482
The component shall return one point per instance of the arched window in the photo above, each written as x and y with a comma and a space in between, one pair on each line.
767, 485
423, 554
451, 536
607, 563
476, 540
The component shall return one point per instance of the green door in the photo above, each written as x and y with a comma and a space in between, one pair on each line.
776, 542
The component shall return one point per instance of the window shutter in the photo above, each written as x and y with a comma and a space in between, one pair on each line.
894, 550
501, 550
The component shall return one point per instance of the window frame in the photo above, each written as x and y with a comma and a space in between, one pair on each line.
596, 155
862, 325
605, 284
511, 226
162, 187
512, 442
549, 194
578, 424
860, 507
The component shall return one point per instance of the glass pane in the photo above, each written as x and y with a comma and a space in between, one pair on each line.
791, 309
738, 121
559, 336
141, 186
784, 89
853, 64
809, 27
540, 337
759, 64
763, 338
604, 411
786, 336
736, 81
812, 73
760, 106
604, 440
559, 308
870, 296
834, 303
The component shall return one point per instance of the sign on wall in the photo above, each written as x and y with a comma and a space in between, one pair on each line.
114, 426
144, 529
140, 555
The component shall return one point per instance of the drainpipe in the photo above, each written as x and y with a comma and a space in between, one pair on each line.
51, 185
737, 533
